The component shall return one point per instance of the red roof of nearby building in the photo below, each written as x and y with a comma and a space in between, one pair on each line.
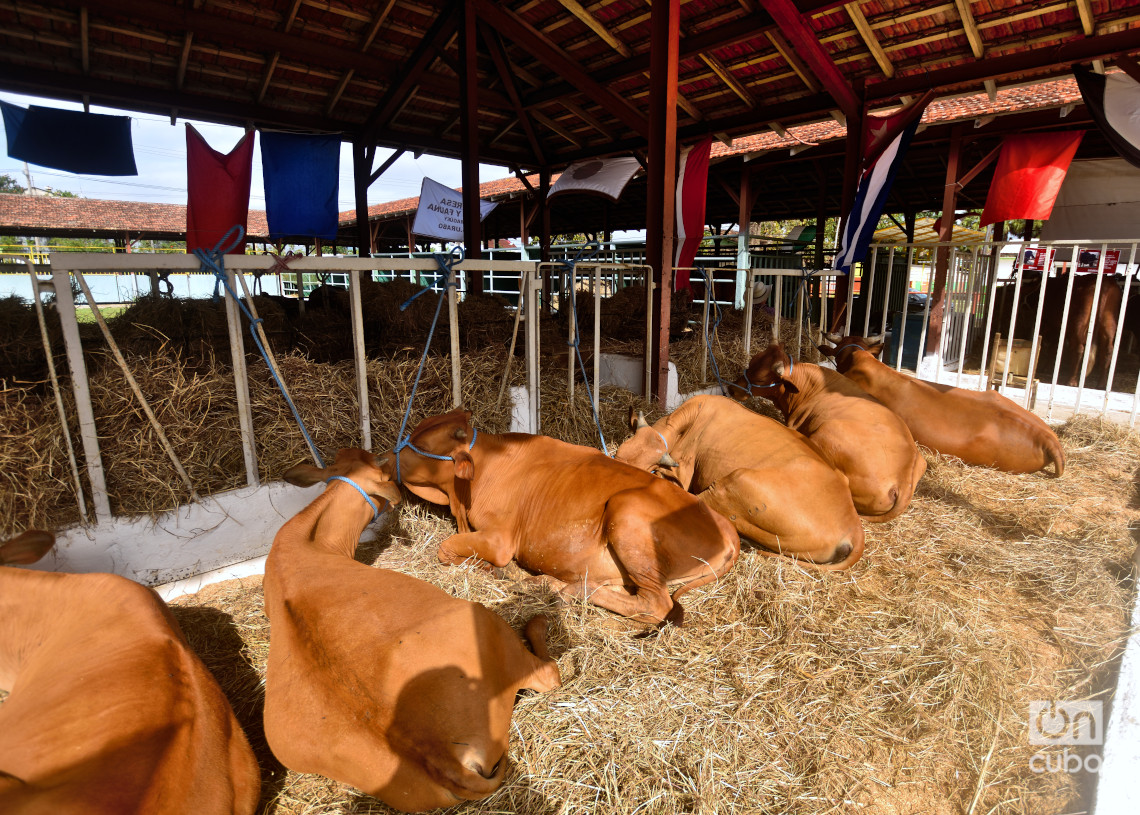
19, 214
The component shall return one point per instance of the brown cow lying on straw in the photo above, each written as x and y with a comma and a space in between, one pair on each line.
980, 427
860, 436
764, 477
378, 679
110, 711
597, 528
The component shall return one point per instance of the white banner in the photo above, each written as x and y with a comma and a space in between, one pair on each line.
440, 212
606, 176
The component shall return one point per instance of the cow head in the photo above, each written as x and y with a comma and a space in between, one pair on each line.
25, 548
842, 349
447, 436
765, 372
646, 449
358, 466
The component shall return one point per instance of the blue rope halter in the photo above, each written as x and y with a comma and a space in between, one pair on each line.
749, 389
587, 252
360, 489
213, 261
407, 442
446, 263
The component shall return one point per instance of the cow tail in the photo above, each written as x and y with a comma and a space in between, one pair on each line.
1056, 454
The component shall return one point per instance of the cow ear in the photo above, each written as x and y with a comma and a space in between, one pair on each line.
826, 350
464, 464
304, 475
633, 414
27, 547
876, 350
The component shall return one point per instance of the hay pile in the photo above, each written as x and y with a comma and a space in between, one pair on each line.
624, 313
196, 403
901, 686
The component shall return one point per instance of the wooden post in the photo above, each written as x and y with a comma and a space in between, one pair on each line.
942, 262
361, 172
544, 234
469, 127
358, 355
851, 166
65, 306
743, 253
665, 19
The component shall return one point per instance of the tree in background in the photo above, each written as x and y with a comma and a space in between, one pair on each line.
9, 185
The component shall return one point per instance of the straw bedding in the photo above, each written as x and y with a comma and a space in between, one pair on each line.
900, 686
879, 690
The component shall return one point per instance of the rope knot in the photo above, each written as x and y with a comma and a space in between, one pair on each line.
446, 263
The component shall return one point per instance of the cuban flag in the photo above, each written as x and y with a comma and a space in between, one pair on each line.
1113, 101
887, 140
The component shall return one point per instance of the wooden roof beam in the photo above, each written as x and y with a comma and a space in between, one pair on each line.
397, 96
553, 126
728, 79
503, 66
869, 39
971, 28
365, 42
85, 41
1088, 23
803, 38
538, 46
183, 61
726, 34
1103, 46
604, 34
785, 50
271, 66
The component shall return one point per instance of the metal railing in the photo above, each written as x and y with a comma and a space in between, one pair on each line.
1025, 293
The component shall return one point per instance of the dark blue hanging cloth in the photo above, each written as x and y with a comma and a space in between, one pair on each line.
70, 140
302, 184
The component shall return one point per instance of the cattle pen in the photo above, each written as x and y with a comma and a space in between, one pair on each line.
902, 685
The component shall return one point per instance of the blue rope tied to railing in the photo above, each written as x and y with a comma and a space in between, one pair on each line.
446, 263
587, 252
719, 315
213, 261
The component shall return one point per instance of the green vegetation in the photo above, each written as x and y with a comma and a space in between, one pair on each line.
84, 314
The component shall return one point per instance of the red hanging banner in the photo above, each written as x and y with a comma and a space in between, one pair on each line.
1028, 176
217, 188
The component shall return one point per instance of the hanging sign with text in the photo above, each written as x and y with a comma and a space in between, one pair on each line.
440, 213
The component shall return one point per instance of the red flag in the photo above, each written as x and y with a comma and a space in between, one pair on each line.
692, 184
217, 188
1028, 176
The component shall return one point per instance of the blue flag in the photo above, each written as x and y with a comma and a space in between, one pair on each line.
69, 140
302, 184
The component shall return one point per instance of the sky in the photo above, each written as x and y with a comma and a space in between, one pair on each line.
160, 154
